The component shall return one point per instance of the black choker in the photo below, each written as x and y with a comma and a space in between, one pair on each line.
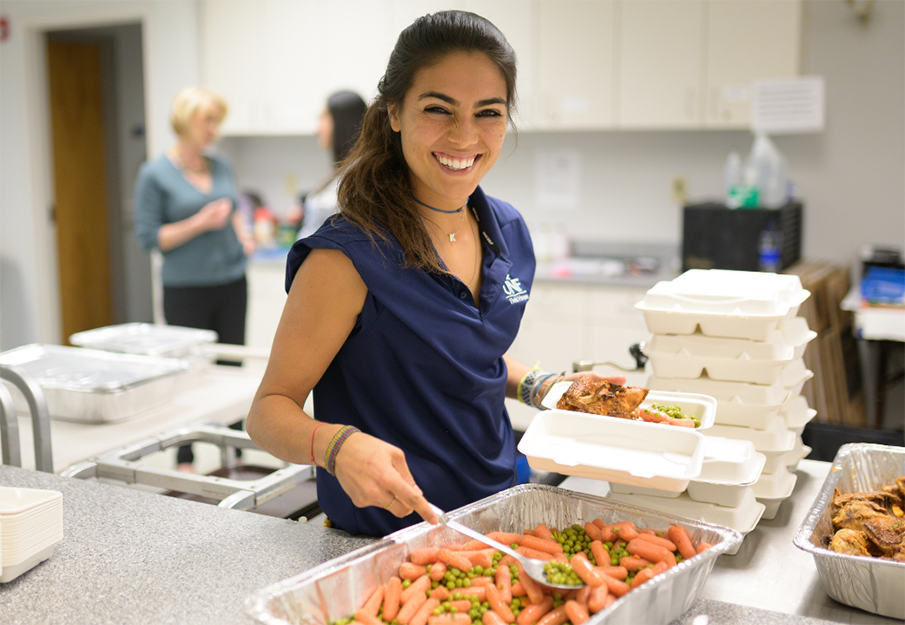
458, 210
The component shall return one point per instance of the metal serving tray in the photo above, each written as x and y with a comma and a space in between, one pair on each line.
872, 584
148, 339
337, 588
94, 386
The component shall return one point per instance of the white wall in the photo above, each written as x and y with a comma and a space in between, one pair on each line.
28, 276
851, 177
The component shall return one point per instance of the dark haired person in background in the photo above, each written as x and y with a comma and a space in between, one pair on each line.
401, 309
337, 131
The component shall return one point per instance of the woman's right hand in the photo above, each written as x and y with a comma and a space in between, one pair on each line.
375, 473
214, 215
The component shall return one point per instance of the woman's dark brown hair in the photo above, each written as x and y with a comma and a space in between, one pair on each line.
375, 192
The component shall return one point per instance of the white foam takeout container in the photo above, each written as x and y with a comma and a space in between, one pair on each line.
798, 453
730, 467
95, 386
692, 404
742, 518
31, 524
613, 450
774, 442
723, 480
733, 360
871, 584
796, 413
739, 403
773, 489
731, 304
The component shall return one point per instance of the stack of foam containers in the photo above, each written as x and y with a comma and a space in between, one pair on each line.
735, 336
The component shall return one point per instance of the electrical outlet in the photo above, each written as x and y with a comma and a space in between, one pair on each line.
679, 190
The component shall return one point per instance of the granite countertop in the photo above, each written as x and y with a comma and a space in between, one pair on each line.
130, 556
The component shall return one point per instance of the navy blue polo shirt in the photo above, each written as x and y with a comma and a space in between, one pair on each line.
423, 367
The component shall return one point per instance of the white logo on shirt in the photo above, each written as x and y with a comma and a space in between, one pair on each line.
512, 287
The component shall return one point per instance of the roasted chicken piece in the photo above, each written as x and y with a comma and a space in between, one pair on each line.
850, 542
602, 398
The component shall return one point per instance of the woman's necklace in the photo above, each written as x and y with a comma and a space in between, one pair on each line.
451, 235
477, 262
202, 169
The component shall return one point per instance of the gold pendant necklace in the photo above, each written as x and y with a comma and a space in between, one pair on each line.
452, 235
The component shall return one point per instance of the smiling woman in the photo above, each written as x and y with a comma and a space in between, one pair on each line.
401, 308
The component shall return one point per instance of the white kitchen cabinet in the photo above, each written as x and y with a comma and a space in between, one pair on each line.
747, 40
277, 61
691, 63
659, 63
575, 86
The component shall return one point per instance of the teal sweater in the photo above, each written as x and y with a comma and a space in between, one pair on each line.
163, 196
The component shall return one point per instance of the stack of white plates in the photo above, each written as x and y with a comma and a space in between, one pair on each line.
736, 336
31, 524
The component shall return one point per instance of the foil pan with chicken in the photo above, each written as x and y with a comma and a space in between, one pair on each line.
856, 532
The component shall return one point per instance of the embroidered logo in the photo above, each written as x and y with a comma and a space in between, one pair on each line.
512, 287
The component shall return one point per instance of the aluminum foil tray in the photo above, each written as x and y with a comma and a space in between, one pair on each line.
872, 584
93, 386
338, 587
148, 339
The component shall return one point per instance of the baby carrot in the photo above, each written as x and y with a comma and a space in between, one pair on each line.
418, 587
484, 557
616, 572
424, 555
507, 538
597, 598
625, 530
679, 535
600, 553
410, 571
457, 618
408, 609
534, 611
495, 600
642, 576
592, 531
534, 553
646, 550
658, 540
542, 531
492, 618
391, 598
702, 547
372, 605
424, 612
556, 616
454, 559
440, 592
576, 612
438, 570
365, 618
588, 573
616, 586
634, 563
542, 544
503, 581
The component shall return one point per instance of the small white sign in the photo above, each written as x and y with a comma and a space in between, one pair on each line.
557, 180
788, 106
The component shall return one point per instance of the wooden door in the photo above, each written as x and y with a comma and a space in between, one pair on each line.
77, 130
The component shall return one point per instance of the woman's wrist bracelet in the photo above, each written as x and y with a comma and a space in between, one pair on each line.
335, 444
312, 441
549, 381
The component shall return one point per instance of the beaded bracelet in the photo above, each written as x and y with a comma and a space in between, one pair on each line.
335, 443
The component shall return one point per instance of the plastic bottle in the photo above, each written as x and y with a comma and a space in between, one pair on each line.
770, 248
732, 179
765, 169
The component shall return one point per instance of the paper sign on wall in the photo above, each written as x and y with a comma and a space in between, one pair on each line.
788, 106
557, 180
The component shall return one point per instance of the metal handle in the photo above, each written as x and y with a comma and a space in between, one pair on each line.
635, 351
9, 430
464, 529
40, 417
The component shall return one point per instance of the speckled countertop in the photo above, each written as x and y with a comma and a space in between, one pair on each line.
129, 556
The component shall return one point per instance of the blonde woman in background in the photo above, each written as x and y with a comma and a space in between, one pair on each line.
186, 204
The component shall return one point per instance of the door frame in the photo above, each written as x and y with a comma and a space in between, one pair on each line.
39, 134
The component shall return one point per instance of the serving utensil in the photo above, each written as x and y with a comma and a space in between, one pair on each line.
533, 568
